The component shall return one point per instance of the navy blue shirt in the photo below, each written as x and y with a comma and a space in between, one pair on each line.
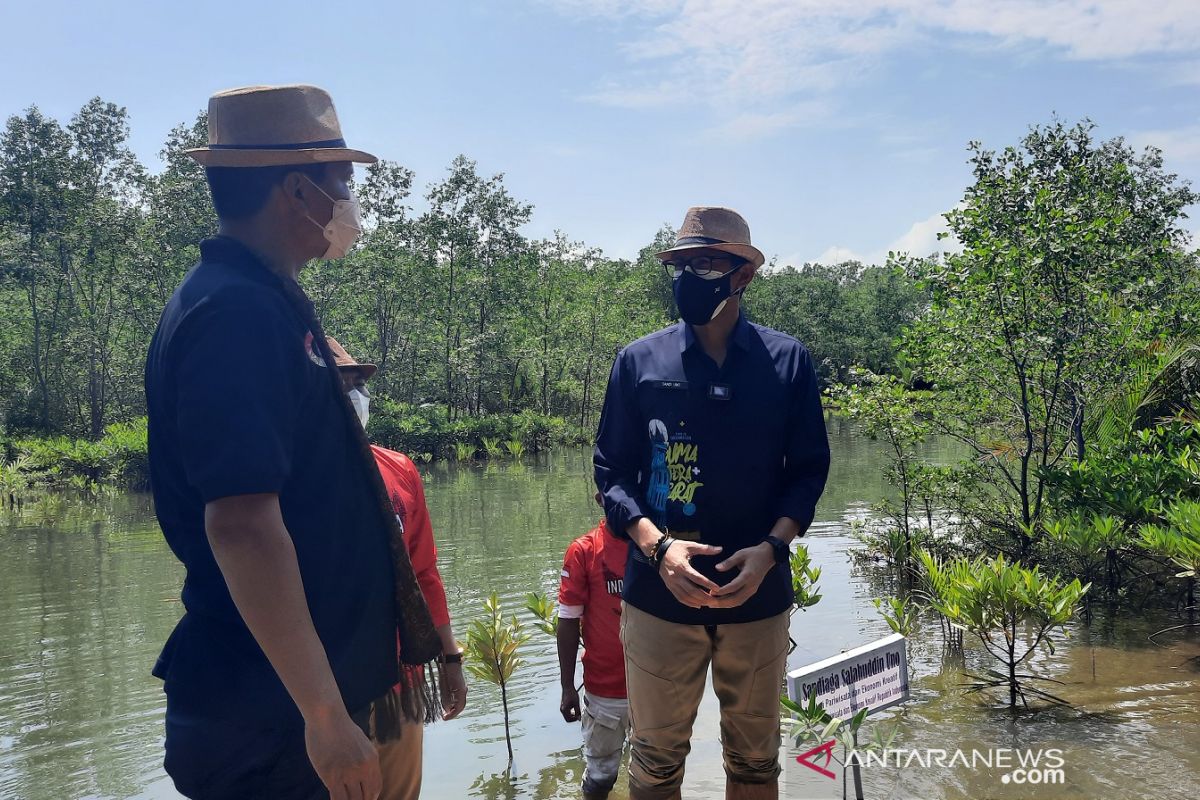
716, 454
240, 402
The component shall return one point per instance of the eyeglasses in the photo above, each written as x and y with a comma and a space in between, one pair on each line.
702, 266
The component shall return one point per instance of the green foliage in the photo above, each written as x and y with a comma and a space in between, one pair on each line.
1135, 478
1180, 539
464, 451
896, 416
805, 592
811, 724
544, 611
515, 448
491, 446
493, 653
119, 458
847, 314
1011, 609
428, 429
14, 481
1073, 262
900, 613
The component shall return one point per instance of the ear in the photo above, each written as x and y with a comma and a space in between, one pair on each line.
743, 277
299, 195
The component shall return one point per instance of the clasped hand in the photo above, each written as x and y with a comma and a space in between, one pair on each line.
695, 590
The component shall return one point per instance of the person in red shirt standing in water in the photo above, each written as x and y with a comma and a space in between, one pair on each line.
400, 759
589, 605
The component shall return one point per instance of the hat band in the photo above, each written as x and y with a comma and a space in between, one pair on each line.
327, 143
699, 240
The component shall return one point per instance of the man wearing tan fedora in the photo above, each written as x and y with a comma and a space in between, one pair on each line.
711, 455
285, 660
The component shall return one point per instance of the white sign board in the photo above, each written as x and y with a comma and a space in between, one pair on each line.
873, 676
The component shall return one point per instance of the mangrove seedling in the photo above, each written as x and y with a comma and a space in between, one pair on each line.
544, 611
996, 601
1179, 541
900, 614
494, 653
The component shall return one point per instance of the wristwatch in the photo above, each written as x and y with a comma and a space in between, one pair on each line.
783, 553
450, 658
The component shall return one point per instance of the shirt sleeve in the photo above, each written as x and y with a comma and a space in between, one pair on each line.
620, 450
240, 379
422, 550
573, 586
806, 464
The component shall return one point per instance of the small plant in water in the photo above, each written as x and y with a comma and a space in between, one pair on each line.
14, 482
494, 653
491, 446
900, 614
515, 448
996, 600
810, 724
543, 610
1179, 541
464, 451
805, 592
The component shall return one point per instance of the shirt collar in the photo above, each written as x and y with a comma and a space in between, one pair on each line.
227, 250
739, 336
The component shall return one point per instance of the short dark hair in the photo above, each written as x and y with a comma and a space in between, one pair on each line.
241, 192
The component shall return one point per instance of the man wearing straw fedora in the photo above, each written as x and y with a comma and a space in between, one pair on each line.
711, 455
284, 665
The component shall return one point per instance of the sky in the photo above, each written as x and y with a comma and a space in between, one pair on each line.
838, 128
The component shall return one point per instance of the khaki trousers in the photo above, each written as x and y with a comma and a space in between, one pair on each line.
665, 667
400, 764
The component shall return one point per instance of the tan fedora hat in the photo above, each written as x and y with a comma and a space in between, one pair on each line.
715, 228
343, 359
268, 126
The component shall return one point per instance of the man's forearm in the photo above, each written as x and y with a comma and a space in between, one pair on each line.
446, 634
258, 560
568, 649
786, 529
644, 534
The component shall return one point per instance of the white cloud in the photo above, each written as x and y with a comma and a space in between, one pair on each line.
921, 239
836, 255
1178, 145
756, 56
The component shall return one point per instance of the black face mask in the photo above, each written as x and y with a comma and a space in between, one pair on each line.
700, 300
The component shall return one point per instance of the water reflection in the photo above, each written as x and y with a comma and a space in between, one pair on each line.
89, 592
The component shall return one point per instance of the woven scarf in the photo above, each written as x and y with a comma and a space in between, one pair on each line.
415, 697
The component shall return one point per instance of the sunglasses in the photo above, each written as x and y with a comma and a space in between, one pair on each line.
705, 267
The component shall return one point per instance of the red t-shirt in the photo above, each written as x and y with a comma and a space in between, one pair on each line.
592, 577
404, 487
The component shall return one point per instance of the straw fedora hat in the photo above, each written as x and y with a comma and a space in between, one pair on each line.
343, 359
268, 126
715, 228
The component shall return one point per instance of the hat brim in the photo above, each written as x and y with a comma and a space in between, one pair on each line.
251, 157
368, 370
746, 251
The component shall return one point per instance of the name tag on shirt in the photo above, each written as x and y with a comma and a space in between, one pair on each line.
719, 391
680, 385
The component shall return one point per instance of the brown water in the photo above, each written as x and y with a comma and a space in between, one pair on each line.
88, 594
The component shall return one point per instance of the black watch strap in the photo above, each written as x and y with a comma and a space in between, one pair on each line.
450, 658
783, 553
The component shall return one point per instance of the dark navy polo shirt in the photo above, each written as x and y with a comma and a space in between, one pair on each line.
717, 454
240, 402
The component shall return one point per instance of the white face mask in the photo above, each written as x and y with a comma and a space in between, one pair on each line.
343, 228
362, 405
